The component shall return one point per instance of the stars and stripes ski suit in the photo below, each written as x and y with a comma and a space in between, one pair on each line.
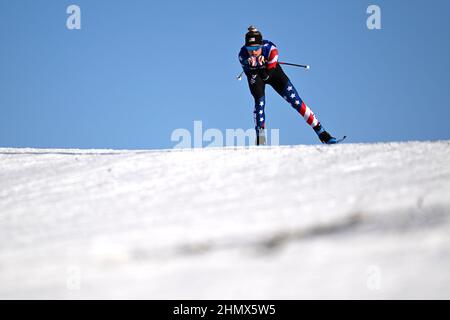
271, 73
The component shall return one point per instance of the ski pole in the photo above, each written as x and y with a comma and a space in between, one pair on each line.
307, 67
239, 77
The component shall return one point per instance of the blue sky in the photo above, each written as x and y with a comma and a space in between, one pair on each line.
137, 70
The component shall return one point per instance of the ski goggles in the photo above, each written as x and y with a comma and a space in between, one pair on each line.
253, 48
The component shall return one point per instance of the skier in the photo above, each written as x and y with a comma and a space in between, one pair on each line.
259, 59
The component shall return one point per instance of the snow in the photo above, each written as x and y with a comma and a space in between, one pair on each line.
358, 221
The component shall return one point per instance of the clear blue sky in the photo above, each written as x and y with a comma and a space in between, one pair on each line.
137, 70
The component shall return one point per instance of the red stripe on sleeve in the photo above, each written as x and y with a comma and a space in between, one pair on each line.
272, 55
303, 109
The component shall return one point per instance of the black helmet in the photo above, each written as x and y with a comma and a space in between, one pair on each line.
253, 36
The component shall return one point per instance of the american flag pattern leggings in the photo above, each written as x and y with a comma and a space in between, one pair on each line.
283, 86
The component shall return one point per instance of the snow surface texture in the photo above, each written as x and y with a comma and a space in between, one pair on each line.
344, 221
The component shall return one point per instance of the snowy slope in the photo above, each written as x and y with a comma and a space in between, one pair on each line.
345, 221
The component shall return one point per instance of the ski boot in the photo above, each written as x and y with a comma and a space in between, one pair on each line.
260, 137
324, 136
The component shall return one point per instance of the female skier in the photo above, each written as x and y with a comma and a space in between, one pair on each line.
259, 59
